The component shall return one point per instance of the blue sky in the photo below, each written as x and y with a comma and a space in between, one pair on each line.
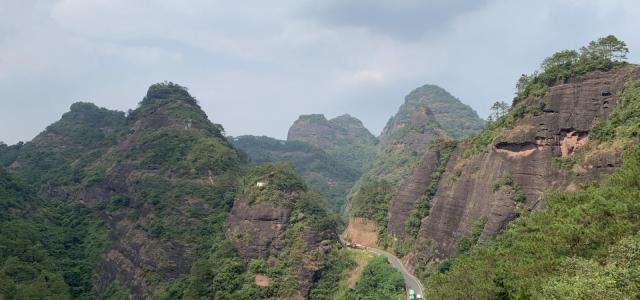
256, 65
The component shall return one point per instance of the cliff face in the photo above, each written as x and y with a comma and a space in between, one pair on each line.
522, 160
277, 221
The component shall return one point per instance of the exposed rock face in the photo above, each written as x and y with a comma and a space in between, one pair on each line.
410, 189
525, 151
257, 231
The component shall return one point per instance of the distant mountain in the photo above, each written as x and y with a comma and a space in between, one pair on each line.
344, 137
456, 118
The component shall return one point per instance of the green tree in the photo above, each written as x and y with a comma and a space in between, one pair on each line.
497, 110
606, 48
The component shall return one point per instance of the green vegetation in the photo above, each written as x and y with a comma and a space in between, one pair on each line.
9, 154
466, 243
578, 246
48, 248
456, 118
506, 180
603, 54
372, 202
328, 286
379, 280
624, 122
84, 130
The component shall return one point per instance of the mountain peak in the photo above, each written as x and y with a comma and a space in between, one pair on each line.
167, 91
456, 118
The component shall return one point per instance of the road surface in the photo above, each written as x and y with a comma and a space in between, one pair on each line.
409, 280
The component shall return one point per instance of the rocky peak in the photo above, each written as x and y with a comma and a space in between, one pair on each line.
343, 137
455, 117
170, 105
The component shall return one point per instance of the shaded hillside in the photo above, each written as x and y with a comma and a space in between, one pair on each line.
343, 137
322, 171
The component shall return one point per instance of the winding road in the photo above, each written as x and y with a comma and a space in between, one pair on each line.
410, 281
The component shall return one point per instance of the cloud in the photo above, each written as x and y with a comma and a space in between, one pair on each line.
408, 20
256, 65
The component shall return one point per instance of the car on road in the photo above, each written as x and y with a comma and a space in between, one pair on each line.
412, 294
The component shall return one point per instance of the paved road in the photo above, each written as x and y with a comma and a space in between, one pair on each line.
409, 280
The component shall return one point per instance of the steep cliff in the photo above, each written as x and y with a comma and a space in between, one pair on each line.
504, 172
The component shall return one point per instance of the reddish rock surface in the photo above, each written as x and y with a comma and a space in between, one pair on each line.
526, 152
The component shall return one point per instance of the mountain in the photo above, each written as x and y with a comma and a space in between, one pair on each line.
403, 143
323, 172
343, 137
456, 118
140, 202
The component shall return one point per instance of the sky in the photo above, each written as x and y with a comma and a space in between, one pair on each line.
255, 66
